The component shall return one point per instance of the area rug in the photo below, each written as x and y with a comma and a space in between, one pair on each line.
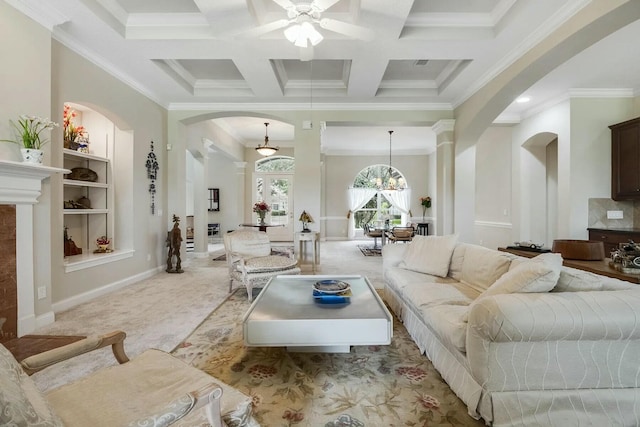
279, 250
134, 309
391, 385
370, 250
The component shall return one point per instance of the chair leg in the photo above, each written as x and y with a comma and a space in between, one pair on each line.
230, 285
249, 287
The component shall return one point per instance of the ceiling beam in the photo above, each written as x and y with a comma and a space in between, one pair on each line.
260, 74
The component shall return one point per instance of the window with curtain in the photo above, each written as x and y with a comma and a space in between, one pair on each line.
378, 207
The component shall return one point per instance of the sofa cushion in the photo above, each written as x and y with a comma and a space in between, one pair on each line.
574, 280
269, 263
21, 403
449, 323
399, 278
430, 254
457, 258
425, 295
482, 267
539, 274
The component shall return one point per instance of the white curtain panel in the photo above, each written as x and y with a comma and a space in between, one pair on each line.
400, 200
358, 197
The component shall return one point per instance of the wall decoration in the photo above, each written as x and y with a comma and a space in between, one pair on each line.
214, 200
152, 174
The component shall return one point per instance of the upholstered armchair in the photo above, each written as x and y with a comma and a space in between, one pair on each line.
401, 234
154, 389
250, 260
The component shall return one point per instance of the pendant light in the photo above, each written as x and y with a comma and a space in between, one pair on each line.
392, 184
265, 149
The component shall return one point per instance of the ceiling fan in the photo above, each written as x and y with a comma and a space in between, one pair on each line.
301, 31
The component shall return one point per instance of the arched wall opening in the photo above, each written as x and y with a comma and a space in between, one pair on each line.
539, 188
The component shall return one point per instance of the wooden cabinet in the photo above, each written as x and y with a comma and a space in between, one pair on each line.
625, 160
87, 203
611, 238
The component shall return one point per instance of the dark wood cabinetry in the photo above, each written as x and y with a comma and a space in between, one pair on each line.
613, 237
625, 160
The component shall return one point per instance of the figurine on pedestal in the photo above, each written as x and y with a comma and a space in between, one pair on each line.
174, 241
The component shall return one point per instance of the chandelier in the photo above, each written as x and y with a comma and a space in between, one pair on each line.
392, 183
266, 149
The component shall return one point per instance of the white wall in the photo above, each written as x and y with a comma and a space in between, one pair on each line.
222, 175
583, 166
25, 88
492, 226
340, 172
77, 80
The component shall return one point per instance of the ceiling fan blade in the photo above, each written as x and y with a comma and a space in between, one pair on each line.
266, 28
285, 4
347, 29
306, 53
324, 4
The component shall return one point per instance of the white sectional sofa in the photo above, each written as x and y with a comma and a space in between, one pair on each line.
521, 342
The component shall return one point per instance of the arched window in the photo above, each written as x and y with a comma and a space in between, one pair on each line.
378, 208
276, 164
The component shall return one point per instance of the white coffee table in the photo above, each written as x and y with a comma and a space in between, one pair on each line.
286, 315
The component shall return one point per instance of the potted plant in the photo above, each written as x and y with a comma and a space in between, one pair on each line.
426, 204
28, 134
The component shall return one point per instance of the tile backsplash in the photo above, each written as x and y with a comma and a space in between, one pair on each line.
598, 214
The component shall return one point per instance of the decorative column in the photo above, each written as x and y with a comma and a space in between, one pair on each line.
445, 156
240, 188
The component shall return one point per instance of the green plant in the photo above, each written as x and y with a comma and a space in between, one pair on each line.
29, 129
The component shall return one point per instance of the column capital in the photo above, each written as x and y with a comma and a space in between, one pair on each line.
240, 165
445, 125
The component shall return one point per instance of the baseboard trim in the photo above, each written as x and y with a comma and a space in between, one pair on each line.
94, 293
45, 319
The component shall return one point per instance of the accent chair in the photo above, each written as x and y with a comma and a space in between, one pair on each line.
250, 260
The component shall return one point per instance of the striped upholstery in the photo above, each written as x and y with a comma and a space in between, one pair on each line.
566, 357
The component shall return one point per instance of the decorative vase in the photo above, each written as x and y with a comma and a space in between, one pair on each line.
31, 155
261, 217
103, 248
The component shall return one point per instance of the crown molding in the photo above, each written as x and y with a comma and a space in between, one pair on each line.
601, 93
106, 66
42, 11
549, 26
343, 106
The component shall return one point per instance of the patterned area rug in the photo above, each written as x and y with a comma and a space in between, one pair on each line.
370, 250
371, 386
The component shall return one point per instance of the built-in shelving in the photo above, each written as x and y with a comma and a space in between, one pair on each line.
85, 225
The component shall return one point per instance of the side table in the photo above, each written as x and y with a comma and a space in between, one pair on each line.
314, 238
423, 229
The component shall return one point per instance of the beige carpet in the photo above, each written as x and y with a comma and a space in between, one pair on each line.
390, 385
160, 312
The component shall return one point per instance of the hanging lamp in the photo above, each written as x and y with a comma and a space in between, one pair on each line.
392, 184
266, 149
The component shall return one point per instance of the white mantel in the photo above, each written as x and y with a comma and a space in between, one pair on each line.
21, 185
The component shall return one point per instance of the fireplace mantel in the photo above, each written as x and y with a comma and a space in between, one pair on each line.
21, 185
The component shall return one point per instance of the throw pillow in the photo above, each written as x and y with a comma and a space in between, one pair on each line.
539, 274
430, 254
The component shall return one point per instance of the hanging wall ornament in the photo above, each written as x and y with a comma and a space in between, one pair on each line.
152, 174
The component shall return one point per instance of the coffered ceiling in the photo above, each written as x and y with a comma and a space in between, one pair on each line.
425, 54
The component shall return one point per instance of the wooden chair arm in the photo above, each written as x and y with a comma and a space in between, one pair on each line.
45, 359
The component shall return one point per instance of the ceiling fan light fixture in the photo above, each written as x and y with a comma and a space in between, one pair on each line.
303, 34
266, 150
292, 33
